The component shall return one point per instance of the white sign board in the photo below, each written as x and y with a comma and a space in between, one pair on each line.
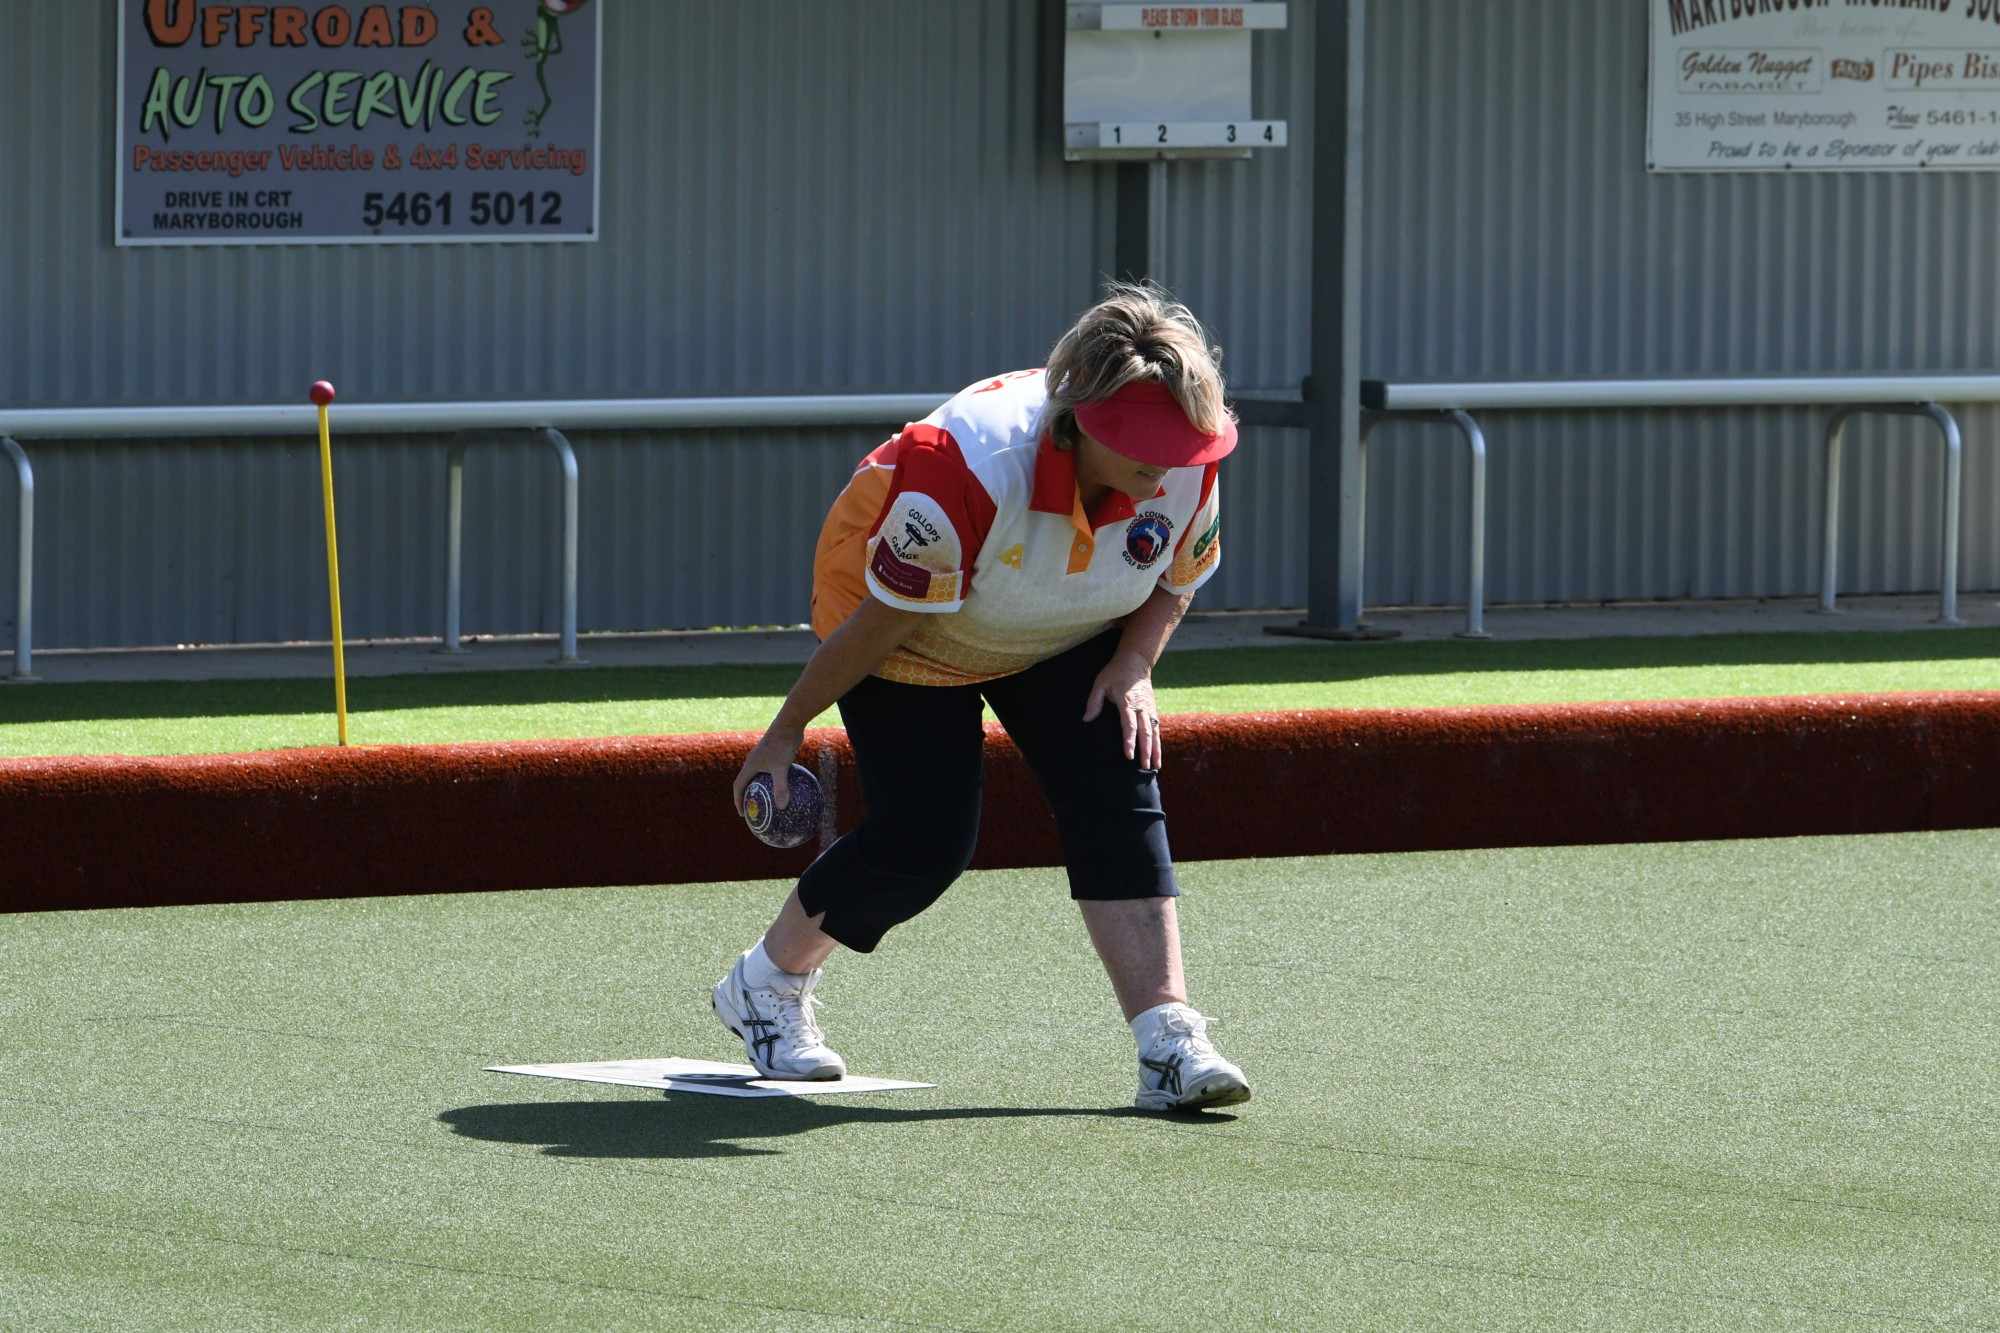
1143, 82
1824, 85
357, 123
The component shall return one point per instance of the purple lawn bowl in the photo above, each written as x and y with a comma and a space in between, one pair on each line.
792, 825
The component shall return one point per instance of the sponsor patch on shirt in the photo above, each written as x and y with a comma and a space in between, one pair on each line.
1206, 540
916, 557
904, 580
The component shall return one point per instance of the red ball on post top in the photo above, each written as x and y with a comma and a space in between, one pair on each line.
321, 392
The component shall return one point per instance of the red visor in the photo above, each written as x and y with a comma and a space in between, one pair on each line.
1144, 423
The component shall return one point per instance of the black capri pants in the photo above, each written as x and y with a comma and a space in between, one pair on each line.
920, 750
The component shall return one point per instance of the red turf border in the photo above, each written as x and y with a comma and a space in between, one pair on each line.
112, 831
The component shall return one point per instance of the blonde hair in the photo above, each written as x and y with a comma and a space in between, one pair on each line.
1137, 332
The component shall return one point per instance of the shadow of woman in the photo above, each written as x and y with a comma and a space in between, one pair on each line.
695, 1125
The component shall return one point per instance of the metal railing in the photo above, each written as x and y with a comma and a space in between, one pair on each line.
1475, 573
1851, 396
454, 567
1954, 475
468, 423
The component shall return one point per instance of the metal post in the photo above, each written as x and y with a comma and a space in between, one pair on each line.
1333, 404
1156, 221
1954, 477
24, 594
1475, 571
1133, 230
1369, 420
567, 457
454, 536
1829, 559
454, 565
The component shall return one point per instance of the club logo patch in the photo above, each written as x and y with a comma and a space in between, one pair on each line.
1148, 539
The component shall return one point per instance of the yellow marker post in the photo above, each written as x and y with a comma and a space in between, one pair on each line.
322, 394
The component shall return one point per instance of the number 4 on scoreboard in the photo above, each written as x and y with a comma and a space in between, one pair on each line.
1194, 134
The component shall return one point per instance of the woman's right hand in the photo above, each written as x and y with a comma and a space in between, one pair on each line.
773, 754
842, 661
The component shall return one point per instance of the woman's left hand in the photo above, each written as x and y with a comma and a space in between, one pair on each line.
1127, 681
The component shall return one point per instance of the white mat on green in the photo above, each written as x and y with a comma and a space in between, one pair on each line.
723, 1080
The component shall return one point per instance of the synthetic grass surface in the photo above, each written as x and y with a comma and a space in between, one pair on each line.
1686, 1086
229, 716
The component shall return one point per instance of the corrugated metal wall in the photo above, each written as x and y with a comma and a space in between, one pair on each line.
1513, 232
796, 199
869, 196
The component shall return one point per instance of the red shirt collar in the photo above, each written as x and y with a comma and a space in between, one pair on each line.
1055, 491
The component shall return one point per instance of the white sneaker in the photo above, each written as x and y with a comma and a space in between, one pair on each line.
1178, 1069
777, 1026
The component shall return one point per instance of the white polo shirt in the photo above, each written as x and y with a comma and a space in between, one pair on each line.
973, 516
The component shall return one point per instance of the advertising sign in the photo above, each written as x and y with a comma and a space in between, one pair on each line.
1824, 85
438, 120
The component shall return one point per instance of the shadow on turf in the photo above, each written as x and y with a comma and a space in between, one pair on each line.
696, 1125
1323, 663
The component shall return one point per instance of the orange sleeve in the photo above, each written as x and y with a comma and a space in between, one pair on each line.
838, 583
908, 530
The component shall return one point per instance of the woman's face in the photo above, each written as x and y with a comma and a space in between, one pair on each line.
1098, 464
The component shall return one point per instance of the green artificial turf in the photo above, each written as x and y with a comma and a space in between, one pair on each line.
225, 716
1719, 1086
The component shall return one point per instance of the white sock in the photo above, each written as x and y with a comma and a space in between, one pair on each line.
1146, 1026
760, 971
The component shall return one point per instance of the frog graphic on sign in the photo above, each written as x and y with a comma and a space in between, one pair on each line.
545, 40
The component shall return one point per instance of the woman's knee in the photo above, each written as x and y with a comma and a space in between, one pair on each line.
920, 841
1120, 854
875, 878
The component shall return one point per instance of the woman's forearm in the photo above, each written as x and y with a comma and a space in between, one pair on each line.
1148, 629
862, 642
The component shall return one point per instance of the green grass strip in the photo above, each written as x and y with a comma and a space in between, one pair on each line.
1689, 1086
227, 716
